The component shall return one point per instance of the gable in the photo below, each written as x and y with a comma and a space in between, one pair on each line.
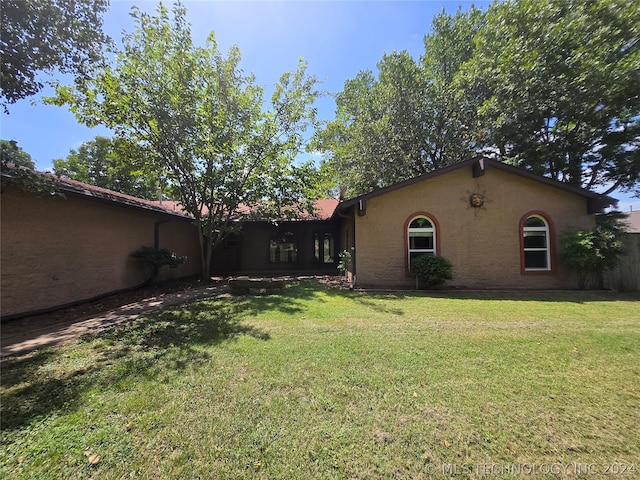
475, 169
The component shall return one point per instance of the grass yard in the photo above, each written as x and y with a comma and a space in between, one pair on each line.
320, 383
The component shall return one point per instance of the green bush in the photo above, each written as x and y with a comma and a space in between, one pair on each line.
589, 253
431, 271
345, 261
155, 259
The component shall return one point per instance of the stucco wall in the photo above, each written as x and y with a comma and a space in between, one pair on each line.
482, 243
57, 251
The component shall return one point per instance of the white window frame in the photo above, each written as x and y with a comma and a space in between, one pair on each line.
546, 248
411, 230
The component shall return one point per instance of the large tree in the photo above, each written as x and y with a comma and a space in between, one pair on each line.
46, 36
112, 163
557, 88
409, 119
205, 123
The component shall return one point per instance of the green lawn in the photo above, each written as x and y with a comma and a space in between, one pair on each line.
320, 383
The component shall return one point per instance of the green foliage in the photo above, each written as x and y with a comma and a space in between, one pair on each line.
44, 36
408, 120
112, 163
548, 85
431, 270
556, 88
155, 259
18, 171
345, 261
205, 124
590, 253
11, 153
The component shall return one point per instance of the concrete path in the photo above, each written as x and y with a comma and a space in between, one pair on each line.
19, 337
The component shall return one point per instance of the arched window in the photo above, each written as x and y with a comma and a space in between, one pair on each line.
536, 251
421, 238
283, 248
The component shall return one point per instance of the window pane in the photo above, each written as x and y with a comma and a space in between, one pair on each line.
421, 223
283, 248
535, 259
535, 240
316, 246
421, 241
328, 248
534, 222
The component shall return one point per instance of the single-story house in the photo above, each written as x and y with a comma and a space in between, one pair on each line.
497, 224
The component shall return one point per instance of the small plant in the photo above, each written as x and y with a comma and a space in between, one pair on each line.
345, 261
431, 271
156, 258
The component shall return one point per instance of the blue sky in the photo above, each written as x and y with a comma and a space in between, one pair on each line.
336, 38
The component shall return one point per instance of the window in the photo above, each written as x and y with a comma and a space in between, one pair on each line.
283, 248
324, 248
535, 244
421, 238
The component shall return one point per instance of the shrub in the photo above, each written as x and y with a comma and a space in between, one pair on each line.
431, 271
345, 261
589, 253
155, 259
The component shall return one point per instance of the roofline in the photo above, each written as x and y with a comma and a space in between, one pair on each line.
104, 195
599, 201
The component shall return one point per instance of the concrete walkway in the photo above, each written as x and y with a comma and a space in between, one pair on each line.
20, 337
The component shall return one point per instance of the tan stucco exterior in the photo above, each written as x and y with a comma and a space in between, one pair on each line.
56, 251
483, 243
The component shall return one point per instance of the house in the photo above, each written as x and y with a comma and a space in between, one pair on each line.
60, 251
497, 224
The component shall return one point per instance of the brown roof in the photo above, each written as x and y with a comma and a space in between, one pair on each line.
66, 185
324, 208
597, 202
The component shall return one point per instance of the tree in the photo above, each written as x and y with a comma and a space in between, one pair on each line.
18, 171
205, 123
447, 48
556, 82
376, 138
112, 163
410, 119
44, 36
11, 153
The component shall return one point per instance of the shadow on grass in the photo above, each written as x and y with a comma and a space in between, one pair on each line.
179, 337
151, 347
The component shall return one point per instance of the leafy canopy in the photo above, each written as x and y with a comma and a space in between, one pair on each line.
45, 36
548, 85
556, 86
112, 163
205, 124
